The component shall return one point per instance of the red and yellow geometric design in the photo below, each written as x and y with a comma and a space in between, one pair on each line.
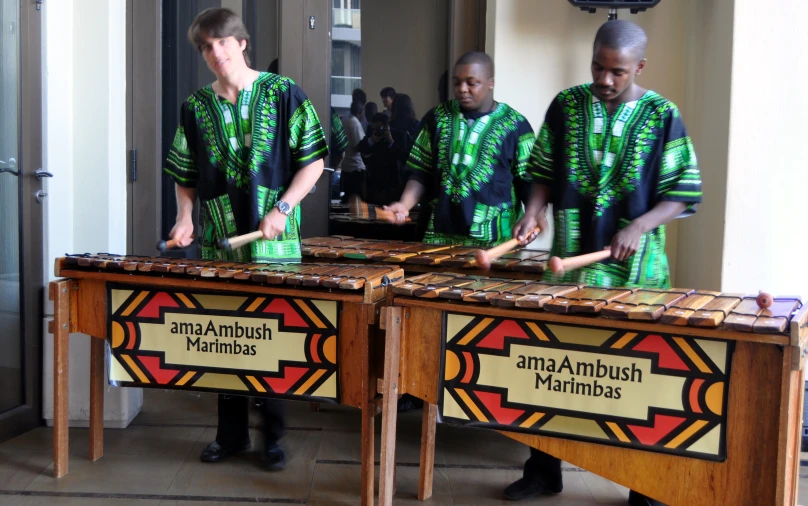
239, 343
644, 390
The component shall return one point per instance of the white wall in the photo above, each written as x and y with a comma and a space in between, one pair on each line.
765, 245
84, 133
404, 45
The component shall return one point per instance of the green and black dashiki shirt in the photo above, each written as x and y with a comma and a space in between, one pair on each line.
339, 141
242, 157
475, 170
605, 172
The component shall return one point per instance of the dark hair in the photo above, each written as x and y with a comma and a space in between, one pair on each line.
379, 117
388, 92
358, 95
403, 107
621, 34
371, 109
357, 109
479, 58
218, 23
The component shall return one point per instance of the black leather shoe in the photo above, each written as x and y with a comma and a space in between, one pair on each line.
215, 452
524, 488
273, 458
637, 499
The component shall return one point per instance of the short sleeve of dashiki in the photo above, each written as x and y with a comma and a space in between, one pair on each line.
306, 138
543, 157
679, 176
339, 142
180, 163
520, 167
420, 164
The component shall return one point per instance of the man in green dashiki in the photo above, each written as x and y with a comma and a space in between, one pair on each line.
616, 163
250, 146
250, 154
470, 160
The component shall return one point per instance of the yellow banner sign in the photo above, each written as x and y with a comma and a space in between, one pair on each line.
645, 390
250, 344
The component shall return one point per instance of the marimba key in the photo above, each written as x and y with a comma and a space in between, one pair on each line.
299, 278
373, 276
432, 291
679, 313
714, 312
460, 258
506, 261
408, 286
538, 300
486, 295
352, 272
586, 300
406, 254
482, 284
647, 304
775, 319
509, 298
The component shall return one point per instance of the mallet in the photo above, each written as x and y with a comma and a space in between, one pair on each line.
560, 266
484, 257
238, 241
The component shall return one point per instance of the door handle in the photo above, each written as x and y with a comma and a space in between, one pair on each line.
40, 196
12, 164
40, 173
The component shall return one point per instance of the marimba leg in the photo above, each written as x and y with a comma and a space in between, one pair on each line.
96, 398
368, 452
60, 295
392, 355
427, 468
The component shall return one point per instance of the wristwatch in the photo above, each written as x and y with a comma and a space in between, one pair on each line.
283, 207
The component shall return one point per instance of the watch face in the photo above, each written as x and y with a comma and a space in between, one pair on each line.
283, 207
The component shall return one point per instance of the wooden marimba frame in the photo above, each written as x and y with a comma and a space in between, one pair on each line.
764, 403
81, 305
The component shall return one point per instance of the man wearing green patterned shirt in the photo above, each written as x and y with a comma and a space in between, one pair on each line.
470, 162
615, 161
250, 147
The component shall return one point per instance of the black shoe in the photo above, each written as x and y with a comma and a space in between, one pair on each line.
409, 403
524, 488
273, 458
215, 452
637, 499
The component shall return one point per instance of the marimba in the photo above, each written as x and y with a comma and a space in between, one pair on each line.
689, 397
299, 331
416, 257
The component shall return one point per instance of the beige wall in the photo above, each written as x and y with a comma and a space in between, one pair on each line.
707, 109
404, 45
541, 48
765, 244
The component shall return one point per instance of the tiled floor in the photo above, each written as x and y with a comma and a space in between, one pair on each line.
156, 462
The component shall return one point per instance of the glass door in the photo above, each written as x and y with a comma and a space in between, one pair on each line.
21, 200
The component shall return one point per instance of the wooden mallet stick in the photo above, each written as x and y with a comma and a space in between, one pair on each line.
560, 266
484, 257
238, 241
163, 246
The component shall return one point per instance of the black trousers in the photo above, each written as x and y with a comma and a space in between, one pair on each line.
234, 420
545, 468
